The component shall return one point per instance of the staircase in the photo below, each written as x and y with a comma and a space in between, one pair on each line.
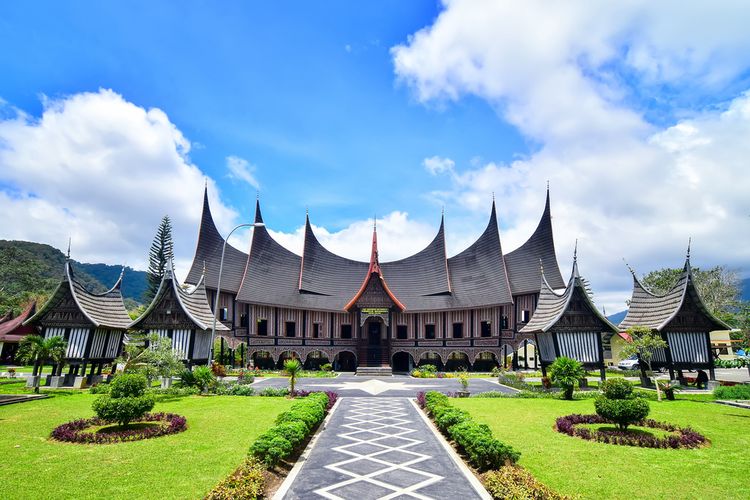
374, 361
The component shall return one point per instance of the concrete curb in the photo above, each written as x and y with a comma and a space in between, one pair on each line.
284, 488
468, 474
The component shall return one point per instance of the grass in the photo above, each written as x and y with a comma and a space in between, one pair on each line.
47, 369
596, 470
185, 465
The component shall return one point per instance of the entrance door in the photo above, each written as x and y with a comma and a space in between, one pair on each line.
373, 341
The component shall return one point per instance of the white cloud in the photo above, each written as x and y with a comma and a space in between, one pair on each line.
102, 171
240, 169
436, 165
567, 76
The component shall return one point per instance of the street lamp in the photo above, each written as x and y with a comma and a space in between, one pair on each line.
218, 286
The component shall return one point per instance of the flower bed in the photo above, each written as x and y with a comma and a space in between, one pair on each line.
681, 437
76, 431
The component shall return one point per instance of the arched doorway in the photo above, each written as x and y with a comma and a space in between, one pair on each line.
431, 358
485, 362
345, 361
402, 362
315, 360
526, 355
262, 360
457, 361
374, 352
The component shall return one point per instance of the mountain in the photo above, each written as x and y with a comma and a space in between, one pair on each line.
745, 289
33, 270
616, 318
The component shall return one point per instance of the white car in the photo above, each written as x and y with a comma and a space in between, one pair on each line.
630, 363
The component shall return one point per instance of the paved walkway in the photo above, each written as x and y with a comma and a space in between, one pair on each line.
379, 448
348, 384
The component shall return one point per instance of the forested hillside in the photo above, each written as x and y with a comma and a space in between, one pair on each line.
33, 270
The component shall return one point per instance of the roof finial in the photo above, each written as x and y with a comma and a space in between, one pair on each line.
690, 238
548, 185
68, 255
575, 251
541, 266
628, 266
257, 194
493, 197
204, 268
205, 182
375, 223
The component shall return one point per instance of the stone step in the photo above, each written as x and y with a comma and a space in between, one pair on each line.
374, 371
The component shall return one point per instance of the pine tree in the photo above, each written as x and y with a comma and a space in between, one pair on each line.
161, 251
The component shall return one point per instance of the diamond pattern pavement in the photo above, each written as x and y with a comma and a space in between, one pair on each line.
378, 448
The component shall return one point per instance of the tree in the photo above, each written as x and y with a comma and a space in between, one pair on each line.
292, 367
566, 373
150, 355
38, 350
127, 400
162, 249
719, 288
644, 342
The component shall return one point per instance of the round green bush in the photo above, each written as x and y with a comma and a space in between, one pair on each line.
622, 412
128, 385
616, 388
127, 400
450, 417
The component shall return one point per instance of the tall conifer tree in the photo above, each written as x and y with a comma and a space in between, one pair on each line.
161, 251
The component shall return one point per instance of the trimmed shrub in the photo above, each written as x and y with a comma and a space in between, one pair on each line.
127, 400
246, 482
515, 482
326, 367
566, 373
732, 392
100, 389
450, 417
274, 392
622, 412
428, 369
616, 388
484, 451
218, 369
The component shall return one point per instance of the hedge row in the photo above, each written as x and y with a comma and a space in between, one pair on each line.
732, 392
484, 451
291, 429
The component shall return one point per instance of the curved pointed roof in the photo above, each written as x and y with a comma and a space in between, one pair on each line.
13, 329
194, 303
657, 311
551, 306
478, 274
101, 309
208, 252
523, 262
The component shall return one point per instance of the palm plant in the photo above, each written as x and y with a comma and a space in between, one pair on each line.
292, 367
566, 373
38, 350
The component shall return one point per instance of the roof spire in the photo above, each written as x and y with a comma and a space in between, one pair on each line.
68, 254
374, 263
628, 266
375, 223
688, 250
575, 251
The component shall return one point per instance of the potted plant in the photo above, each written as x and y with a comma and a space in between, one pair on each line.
669, 387
463, 377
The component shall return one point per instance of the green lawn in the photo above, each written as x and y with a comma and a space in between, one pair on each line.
594, 470
185, 465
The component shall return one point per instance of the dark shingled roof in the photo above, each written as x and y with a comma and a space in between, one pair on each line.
194, 303
551, 306
523, 262
102, 309
208, 252
656, 311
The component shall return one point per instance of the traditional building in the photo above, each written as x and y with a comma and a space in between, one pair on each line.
467, 309
681, 318
93, 324
12, 332
182, 316
569, 324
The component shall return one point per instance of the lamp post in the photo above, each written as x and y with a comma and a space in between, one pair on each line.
218, 286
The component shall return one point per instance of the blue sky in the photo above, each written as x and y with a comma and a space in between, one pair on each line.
112, 114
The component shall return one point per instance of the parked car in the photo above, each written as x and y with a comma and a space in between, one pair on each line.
630, 363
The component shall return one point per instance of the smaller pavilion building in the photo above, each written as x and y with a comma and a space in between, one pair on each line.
182, 316
569, 324
12, 332
93, 325
682, 320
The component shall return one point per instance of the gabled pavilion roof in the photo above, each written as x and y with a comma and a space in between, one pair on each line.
657, 311
101, 309
523, 262
194, 303
551, 305
208, 255
13, 329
